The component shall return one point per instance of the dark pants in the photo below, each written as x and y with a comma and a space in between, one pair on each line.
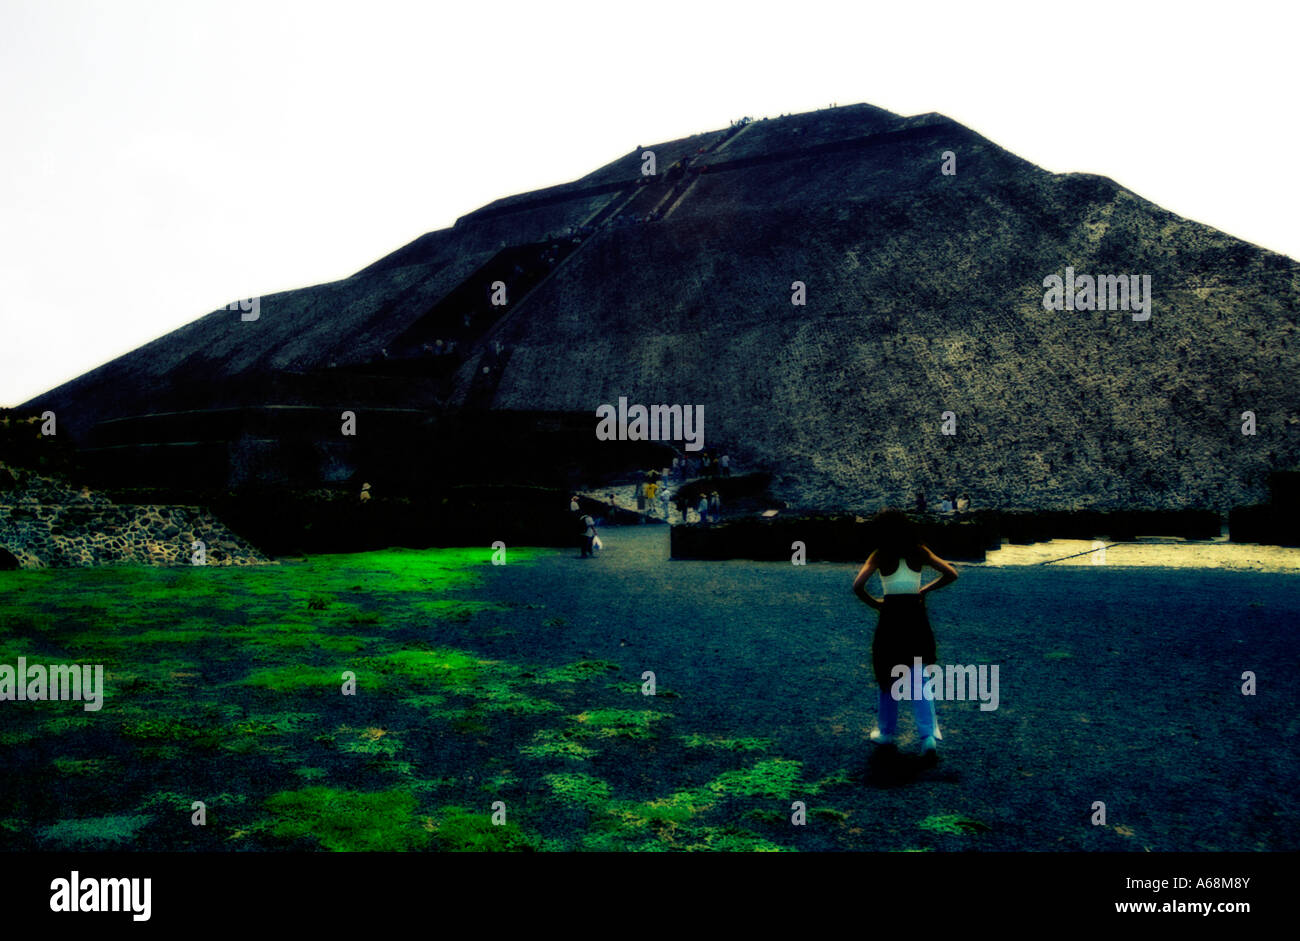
902, 633
586, 546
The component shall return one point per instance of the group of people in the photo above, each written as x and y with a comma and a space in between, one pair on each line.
654, 498
707, 464
653, 495
950, 505
709, 507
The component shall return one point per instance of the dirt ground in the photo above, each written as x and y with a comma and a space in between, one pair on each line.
522, 686
1118, 683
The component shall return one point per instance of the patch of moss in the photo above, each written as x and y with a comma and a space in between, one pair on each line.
495, 782
775, 777
167, 802
581, 789
298, 677
677, 808
461, 832
828, 813
369, 741
576, 672
430, 702
277, 723
279, 640
506, 697
727, 840
954, 824
17, 736
346, 821
696, 740
619, 723
81, 767
452, 669
94, 832
557, 743
621, 841
450, 611
835, 779
172, 729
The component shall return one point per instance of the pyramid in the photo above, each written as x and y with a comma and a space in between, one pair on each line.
859, 302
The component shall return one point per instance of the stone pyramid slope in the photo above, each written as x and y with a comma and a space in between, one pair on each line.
924, 296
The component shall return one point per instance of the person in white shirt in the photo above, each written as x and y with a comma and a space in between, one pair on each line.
588, 536
903, 631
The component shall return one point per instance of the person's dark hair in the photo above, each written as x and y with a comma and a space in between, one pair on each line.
894, 536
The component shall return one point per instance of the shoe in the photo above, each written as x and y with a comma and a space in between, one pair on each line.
880, 738
929, 746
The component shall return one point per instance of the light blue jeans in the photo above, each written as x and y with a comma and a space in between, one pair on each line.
926, 723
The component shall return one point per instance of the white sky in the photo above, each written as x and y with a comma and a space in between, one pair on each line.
161, 159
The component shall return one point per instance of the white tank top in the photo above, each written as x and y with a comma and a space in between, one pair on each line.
904, 581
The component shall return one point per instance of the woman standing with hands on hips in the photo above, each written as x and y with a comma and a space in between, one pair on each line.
903, 628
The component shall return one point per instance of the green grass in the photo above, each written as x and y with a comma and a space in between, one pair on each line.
345, 821
953, 824
236, 675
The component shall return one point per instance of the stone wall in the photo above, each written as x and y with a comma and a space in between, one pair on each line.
45, 522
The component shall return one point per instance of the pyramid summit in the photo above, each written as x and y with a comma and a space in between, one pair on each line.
862, 302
